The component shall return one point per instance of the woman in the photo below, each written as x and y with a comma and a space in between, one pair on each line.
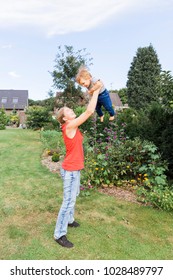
71, 166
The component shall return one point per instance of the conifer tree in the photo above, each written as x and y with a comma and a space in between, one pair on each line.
3, 119
143, 78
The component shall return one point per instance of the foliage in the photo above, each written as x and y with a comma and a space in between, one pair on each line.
143, 78
119, 158
86, 126
123, 95
55, 157
112, 159
66, 66
49, 103
53, 124
155, 124
135, 121
165, 89
14, 118
3, 119
52, 140
160, 198
37, 117
160, 131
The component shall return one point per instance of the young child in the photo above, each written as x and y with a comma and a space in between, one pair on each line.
85, 79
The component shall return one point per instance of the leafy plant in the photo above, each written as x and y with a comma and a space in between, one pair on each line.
52, 140
37, 117
3, 119
112, 159
55, 157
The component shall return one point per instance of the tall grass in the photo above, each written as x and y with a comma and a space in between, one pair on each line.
30, 197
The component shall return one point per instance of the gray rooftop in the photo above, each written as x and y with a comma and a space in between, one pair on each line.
13, 99
116, 101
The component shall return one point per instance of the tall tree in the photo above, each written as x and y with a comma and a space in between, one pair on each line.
67, 63
165, 89
143, 78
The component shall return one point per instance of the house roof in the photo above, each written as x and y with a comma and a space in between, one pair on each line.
116, 101
13, 99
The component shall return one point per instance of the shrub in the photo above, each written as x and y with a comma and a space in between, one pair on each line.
14, 119
136, 122
112, 159
55, 157
100, 160
160, 198
37, 117
3, 119
52, 125
155, 124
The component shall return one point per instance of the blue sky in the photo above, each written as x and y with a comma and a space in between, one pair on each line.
110, 30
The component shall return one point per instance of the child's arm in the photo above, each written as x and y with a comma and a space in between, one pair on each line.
97, 86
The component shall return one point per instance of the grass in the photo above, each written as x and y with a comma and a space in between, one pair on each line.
30, 197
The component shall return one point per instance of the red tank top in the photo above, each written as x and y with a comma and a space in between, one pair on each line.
74, 158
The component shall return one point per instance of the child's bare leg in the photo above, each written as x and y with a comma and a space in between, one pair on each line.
111, 118
102, 118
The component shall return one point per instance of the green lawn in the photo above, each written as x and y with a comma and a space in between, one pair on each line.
30, 197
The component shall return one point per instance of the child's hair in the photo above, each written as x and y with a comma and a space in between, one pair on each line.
82, 73
60, 115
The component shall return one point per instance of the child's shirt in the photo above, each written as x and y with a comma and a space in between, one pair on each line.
93, 81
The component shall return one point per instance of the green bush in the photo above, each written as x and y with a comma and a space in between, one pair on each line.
154, 124
52, 125
3, 119
37, 117
113, 159
55, 157
160, 198
136, 122
14, 119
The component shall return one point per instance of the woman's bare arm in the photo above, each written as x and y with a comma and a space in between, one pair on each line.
89, 111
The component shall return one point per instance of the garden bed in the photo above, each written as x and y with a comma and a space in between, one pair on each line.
118, 192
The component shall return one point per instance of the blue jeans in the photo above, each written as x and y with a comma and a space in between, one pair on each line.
105, 101
71, 186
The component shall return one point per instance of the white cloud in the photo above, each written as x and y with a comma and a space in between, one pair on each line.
7, 46
13, 74
63, 16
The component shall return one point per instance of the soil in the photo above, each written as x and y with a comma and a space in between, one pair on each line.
54, 167
115, 191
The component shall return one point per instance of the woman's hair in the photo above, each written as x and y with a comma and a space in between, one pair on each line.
60, 115
82, 73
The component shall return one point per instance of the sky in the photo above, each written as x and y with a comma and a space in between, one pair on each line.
111, 31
